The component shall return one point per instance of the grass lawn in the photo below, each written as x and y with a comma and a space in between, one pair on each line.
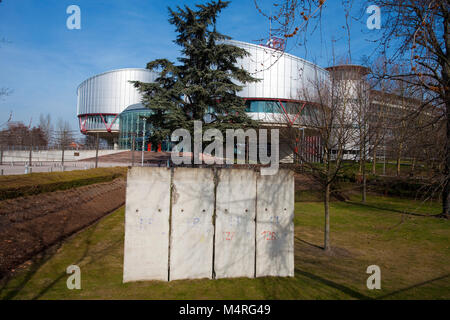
413, 253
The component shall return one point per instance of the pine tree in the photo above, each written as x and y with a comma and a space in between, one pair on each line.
205, 81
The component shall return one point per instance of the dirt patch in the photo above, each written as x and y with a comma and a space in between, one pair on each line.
31, 224
304, 182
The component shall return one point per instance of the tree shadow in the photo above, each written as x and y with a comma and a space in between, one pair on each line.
389, 209
308, 243
337, 286
93, 258
37, 262
413, 286
44, 255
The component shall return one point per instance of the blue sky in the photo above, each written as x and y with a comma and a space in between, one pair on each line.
43, 62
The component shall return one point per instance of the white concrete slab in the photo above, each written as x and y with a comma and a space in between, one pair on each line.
275, 225
235, 224
191, 241
147, 210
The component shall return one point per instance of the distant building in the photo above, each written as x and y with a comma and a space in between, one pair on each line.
110, 106
103, 97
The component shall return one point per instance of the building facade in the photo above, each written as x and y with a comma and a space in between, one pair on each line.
109, 105
101, 99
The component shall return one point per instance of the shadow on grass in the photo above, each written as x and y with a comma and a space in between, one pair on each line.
413, 286
308, 243
46, 254
36, 263
352, 293
94, 257
64, 274
390, 209
344, 289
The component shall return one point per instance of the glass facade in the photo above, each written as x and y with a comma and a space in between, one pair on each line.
132, 124
272, 106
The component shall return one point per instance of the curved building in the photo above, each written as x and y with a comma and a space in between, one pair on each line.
284, 82
103, 97
282, 93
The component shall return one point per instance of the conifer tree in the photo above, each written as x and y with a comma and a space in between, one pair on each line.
203, 86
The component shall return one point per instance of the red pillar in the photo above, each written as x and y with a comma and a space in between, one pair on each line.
159, 147
149, 147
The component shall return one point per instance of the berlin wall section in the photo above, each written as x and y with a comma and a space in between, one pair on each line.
275, 225
185, 223
147, 209
235, 224
191, 241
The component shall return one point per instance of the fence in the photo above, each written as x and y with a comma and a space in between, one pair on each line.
18, 156
190, 223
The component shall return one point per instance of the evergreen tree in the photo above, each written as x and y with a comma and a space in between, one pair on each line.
203, 86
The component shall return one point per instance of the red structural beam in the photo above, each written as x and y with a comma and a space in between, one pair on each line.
83, 124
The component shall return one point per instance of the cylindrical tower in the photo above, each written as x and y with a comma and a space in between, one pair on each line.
103, 97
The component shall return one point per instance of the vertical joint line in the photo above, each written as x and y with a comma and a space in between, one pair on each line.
256, 221
216, 182
170, 221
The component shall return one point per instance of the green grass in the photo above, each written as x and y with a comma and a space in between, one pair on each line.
390, 203
412, 252
391, 167
14, 186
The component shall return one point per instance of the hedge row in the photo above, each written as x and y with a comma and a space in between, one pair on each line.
393, 186
35, 183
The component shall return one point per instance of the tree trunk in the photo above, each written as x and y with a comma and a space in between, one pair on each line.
398, 162
327, 218
96, 150
30, 154
360, 161
446, 171
364, 186
374, 162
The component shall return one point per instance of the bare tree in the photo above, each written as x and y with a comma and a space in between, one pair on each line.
45, 124
416, 33
292, 18
63, 136
365, 120
327, 118
401, 127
